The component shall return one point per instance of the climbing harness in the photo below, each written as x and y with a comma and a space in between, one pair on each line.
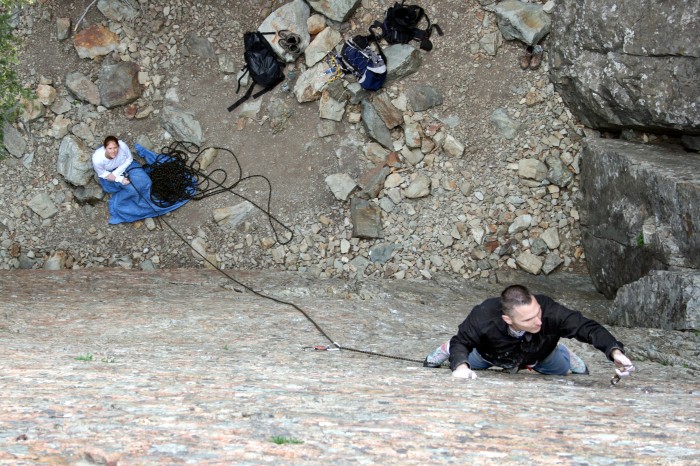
335, 70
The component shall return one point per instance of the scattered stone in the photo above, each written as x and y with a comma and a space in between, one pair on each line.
366, 219
323, 43
551, 263
558, 174
43, 206
532, 169
32, 110
452, 147
75, 161
82, 88
63, 28
95, 41
526, 22
381, 252
413, 135
234, 215
331, 109
507, 127
227, 64
412, 156
339, 10
200, 46
46, 94
280, 111
423, 97
207, 157
521, 223
310, 83
551, 237
315, 24
250, 109
376, 153
529, 263
182, 124
538, 246
90, 194
14, 141
57, 261
419, 187
61, 106
491, 42
117, 10
372, 182
390, 115
376, 129
341, 185
401, 61
326, 128
84, 132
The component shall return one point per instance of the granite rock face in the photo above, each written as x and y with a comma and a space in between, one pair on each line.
669, 300
608, 63
640, 211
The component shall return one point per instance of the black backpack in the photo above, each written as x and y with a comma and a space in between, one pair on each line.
400, 25
262, 64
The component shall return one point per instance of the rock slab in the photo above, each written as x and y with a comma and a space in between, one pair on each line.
613, 72
640, 211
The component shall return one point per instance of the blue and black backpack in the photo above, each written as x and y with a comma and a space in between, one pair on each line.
358, 58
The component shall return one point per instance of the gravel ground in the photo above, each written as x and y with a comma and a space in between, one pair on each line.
464, 227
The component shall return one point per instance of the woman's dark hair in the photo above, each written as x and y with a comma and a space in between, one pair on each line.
514, 295
109, 139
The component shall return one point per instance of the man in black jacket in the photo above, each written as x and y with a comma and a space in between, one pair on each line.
520, 330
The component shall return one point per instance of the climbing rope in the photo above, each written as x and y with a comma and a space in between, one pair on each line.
180, 177
177, 175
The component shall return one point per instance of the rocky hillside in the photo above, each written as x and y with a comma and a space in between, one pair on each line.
502, 198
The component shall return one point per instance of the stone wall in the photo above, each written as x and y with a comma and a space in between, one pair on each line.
640, 211
629, 65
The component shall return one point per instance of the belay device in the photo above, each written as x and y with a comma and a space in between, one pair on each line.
262, 65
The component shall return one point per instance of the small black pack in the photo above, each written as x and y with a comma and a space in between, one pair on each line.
261, 63
400, 25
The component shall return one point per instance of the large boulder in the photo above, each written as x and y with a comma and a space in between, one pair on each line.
75, 161
290, 17
526, 22
640, 211
669, 300
119, 84
95, 41
632, 66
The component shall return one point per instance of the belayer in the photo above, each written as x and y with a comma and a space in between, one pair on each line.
128, 183
519, 330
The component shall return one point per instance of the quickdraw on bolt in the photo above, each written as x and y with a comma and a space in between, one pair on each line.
617, 377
